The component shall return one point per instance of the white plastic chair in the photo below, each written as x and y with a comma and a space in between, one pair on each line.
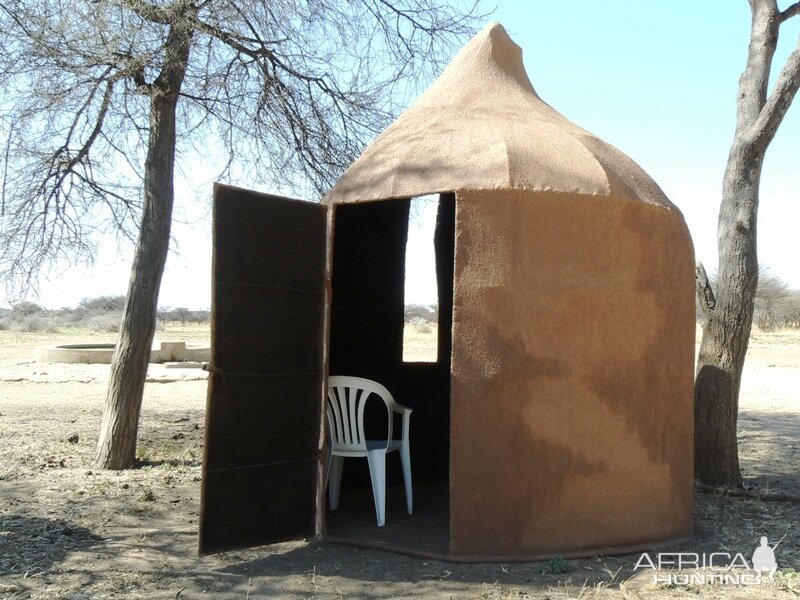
347, 397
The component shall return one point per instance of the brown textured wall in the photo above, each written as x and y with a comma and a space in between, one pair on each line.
573, 343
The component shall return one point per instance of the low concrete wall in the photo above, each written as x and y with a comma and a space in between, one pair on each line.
102, 353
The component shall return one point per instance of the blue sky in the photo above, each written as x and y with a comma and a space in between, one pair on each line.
656, 79
659, 81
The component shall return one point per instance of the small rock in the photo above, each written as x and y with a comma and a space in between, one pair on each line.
73, 438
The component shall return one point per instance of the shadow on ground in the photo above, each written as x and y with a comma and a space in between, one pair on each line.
769, 450
34, 544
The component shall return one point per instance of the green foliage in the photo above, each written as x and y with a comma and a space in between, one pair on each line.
789, 579
557, 566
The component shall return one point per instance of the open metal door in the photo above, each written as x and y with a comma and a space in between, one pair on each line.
265, 390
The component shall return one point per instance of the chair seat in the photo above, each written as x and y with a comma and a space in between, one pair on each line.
372, 445
380, 444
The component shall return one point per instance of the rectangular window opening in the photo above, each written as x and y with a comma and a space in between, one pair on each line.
420, 330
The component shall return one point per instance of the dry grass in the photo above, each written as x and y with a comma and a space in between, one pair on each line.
419, 342
67, 531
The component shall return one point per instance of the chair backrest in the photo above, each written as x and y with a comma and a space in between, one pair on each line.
347, 397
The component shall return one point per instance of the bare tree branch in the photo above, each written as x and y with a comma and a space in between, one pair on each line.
705, 294
780, 99
754, 81
289, 92
150, 12
790, 12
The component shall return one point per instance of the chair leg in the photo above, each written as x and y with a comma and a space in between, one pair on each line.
328, 467
334, 480
377, 472
405, 459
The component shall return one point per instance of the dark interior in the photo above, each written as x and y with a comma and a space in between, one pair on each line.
366, 340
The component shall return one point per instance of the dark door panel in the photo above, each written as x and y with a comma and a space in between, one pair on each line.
265, 392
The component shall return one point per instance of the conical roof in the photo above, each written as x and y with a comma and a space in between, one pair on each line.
482, 126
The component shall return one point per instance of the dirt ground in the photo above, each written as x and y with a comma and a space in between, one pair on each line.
68, 531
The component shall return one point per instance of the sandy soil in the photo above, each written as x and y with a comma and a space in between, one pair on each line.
68, 531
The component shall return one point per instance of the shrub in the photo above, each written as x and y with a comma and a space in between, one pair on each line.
102, 304
26, 309
421, 313
106, 323
423, 328
34, 324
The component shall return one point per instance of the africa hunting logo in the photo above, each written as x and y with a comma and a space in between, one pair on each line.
716, 568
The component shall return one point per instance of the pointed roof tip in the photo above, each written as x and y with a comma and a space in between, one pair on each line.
493, 44
481, 125
495, 31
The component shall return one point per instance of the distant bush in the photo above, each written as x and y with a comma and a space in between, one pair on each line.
33, 324
27, 317
102, 314
201, 316
70, 317
26, 309
106, 323
419, 314
102, 304
183, 316
777, 305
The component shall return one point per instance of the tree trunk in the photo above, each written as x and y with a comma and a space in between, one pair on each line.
116, 448
727, 324
726, 331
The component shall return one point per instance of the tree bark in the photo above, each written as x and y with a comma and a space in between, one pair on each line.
727, 324
116, 447
726, 331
